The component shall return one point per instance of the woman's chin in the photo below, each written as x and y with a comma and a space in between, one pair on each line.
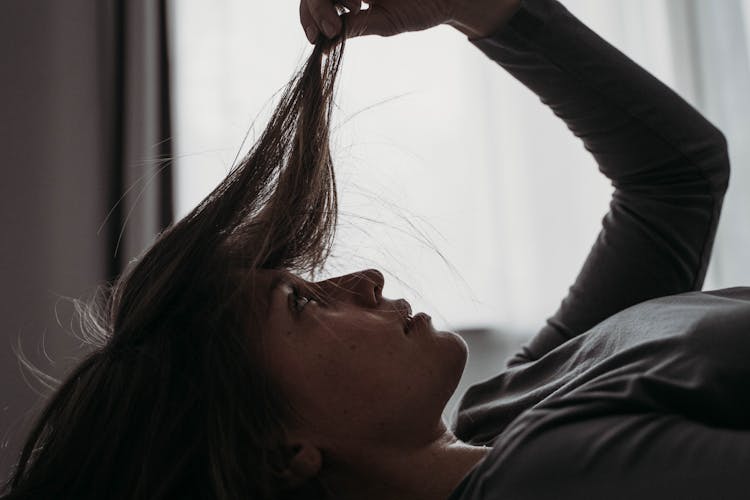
457, 346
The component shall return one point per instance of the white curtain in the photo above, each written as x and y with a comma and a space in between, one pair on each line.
721, 72
477, 203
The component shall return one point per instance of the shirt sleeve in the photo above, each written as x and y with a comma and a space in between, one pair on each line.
643, 456
668, 165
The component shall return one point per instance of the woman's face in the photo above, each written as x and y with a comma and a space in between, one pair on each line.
345, 360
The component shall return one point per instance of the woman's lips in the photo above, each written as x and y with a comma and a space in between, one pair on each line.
411, 322
404, 308
417, 320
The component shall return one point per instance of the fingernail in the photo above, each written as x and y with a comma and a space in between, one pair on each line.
328, 29
311, 34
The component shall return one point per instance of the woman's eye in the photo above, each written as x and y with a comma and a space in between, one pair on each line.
299, 300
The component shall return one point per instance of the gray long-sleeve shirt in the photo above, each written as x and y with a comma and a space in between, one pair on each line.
639, 385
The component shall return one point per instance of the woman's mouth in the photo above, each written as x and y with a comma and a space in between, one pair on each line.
417, 321
408, 321
404, 308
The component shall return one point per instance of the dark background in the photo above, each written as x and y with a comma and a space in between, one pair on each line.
84, 101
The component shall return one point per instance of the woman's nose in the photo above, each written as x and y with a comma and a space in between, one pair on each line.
366, 287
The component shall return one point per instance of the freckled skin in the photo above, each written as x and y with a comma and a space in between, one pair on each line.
350, 370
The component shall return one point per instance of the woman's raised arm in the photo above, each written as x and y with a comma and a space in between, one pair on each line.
669, 166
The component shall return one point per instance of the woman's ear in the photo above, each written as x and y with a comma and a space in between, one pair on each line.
304, 464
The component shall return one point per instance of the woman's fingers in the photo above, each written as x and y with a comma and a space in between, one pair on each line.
354, 6
382, 17
322, 16
373, 21
325, 16
307, 21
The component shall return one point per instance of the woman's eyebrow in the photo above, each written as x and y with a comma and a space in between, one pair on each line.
277, 281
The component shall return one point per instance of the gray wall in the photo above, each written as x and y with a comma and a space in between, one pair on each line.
52, 193
85, 137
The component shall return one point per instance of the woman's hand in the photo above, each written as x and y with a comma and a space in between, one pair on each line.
475, 18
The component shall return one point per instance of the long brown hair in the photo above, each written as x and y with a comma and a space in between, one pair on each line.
173, 402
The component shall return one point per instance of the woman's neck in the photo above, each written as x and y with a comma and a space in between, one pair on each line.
429, 472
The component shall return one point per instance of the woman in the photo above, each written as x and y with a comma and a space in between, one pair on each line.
221, 373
